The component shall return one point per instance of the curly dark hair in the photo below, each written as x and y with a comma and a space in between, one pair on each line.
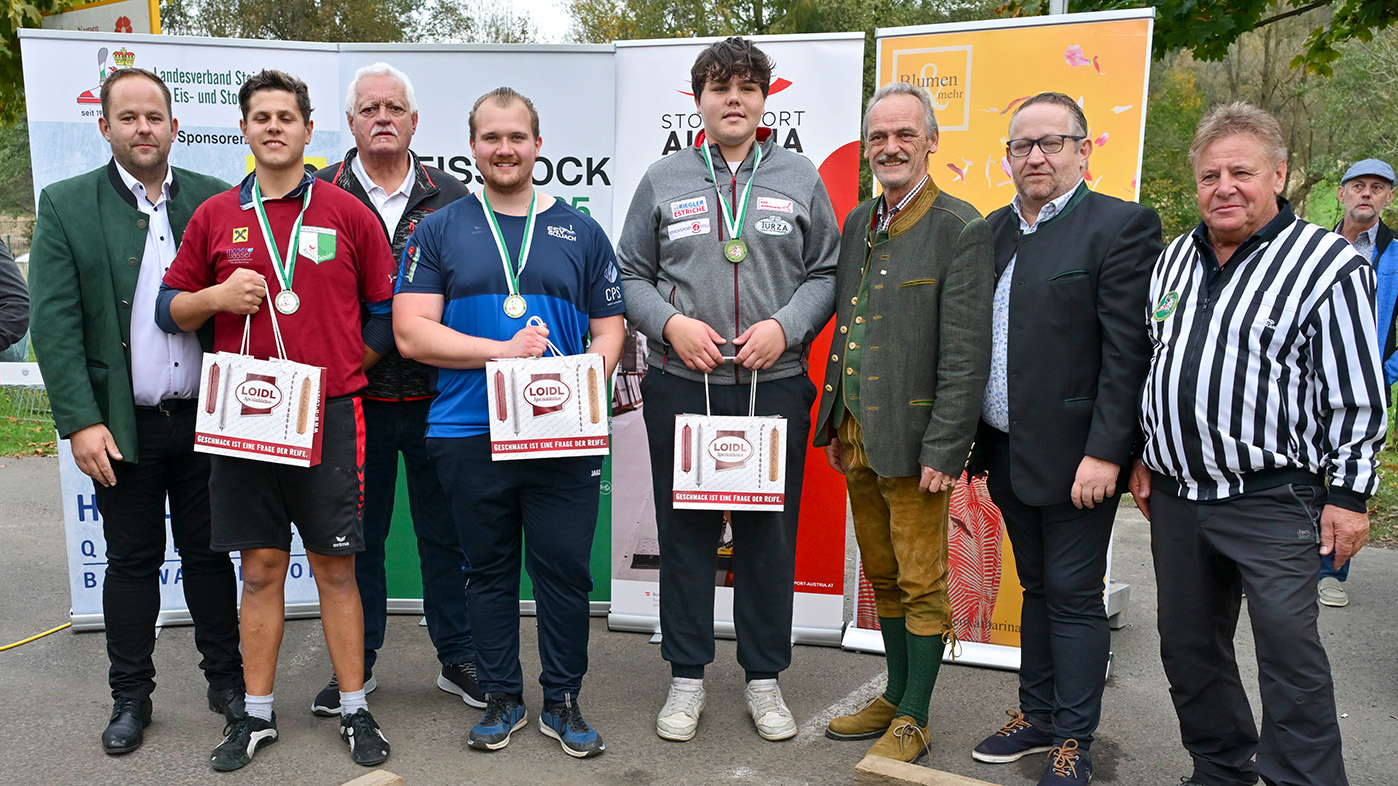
735, 56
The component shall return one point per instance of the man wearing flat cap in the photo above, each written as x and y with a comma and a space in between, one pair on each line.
1367, 188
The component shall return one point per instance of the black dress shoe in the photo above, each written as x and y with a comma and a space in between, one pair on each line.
228, 701
123, 733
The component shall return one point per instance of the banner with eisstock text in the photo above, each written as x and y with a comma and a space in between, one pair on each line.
977, 73
572, 87
813, 109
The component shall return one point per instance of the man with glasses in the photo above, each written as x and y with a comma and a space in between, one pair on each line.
1058, 423
1367, 188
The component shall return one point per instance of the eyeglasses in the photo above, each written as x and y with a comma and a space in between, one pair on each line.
1053, 143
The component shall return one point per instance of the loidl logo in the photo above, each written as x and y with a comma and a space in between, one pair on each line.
730, 449
547, 393
258, 394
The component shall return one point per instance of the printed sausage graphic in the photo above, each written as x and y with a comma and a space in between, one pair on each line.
501, 406
303, 412
686, 448
594, 411
774, 451
211, 403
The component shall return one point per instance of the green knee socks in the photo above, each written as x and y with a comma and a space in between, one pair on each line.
923, 656
895, 652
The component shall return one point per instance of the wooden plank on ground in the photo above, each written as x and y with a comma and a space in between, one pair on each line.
878, 771
377, 778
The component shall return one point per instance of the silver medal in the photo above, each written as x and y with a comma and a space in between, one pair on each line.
287, 302
515, 306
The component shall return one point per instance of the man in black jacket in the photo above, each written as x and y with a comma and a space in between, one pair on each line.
384, 174
1058, 424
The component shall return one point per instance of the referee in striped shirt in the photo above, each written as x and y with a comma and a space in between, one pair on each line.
1263, 412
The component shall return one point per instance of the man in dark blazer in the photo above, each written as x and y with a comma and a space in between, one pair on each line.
1058, 423
902, 393
124, 393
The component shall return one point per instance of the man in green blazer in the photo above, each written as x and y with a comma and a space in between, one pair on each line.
124, 393
901, 399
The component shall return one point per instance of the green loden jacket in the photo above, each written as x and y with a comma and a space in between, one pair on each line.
926, 352
83, 264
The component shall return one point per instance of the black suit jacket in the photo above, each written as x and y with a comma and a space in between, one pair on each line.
1078, 348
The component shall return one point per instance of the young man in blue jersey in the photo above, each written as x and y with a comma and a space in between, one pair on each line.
468, 284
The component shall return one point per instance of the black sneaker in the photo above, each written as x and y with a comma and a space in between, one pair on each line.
244, 736
1015, 740
460, 679
563, 721
327, 702
504, 715
367, 744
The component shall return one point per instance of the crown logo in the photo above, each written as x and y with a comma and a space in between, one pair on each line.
124, 57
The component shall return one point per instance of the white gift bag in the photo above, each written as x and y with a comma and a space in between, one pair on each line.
264, 410
548, 407
730, 462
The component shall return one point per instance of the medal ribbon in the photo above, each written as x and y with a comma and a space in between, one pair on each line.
733, 220
285, 270
511, 275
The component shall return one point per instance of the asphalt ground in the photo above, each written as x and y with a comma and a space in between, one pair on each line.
54, 701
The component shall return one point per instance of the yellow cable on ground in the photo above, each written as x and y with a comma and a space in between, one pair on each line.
39, 636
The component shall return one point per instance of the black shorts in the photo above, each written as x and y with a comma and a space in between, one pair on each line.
255, 502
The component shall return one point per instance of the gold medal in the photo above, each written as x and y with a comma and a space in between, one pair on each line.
735, 251
287, 302
515, 306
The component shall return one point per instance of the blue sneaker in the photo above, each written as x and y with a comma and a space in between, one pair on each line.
1013, 741
504, 715
563, 721
1068, 765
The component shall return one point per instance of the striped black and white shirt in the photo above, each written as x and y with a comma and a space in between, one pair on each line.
1265, 371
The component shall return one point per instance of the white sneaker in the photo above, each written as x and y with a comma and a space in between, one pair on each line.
768, 711
679, 718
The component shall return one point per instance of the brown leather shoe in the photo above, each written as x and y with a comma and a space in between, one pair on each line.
904, 741
866, 724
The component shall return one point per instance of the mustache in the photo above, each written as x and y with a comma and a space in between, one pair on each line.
892, 158
384, 129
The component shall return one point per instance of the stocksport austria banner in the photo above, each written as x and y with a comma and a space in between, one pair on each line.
977, 73
813, 109
63, 76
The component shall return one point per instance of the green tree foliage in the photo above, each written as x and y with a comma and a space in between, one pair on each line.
1167, 181
1209, 28
19, 13
342, 21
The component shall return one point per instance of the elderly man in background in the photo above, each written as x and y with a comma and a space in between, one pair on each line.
1367, 188
901, 398
1263, 413
382, 171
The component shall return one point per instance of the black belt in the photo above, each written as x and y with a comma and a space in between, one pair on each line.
170, 406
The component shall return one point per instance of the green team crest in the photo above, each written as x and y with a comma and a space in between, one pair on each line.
1166, 306
316, 244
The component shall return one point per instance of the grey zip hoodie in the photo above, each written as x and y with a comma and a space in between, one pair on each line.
671, 255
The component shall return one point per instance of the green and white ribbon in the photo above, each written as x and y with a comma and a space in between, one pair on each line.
285, 269
733, 220
512, 273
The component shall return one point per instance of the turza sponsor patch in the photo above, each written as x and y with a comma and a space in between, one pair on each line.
771, 225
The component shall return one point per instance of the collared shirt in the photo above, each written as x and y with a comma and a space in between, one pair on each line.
995, 406
1265, 371
162, 366
886, 215
390, 207
1364, 243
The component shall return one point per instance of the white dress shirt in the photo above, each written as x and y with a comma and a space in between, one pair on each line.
162, 365
390, 206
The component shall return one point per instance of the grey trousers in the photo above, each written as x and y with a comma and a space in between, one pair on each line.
1206, 556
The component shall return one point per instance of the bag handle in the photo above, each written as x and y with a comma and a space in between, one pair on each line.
276, 333
536, 321
752, 394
